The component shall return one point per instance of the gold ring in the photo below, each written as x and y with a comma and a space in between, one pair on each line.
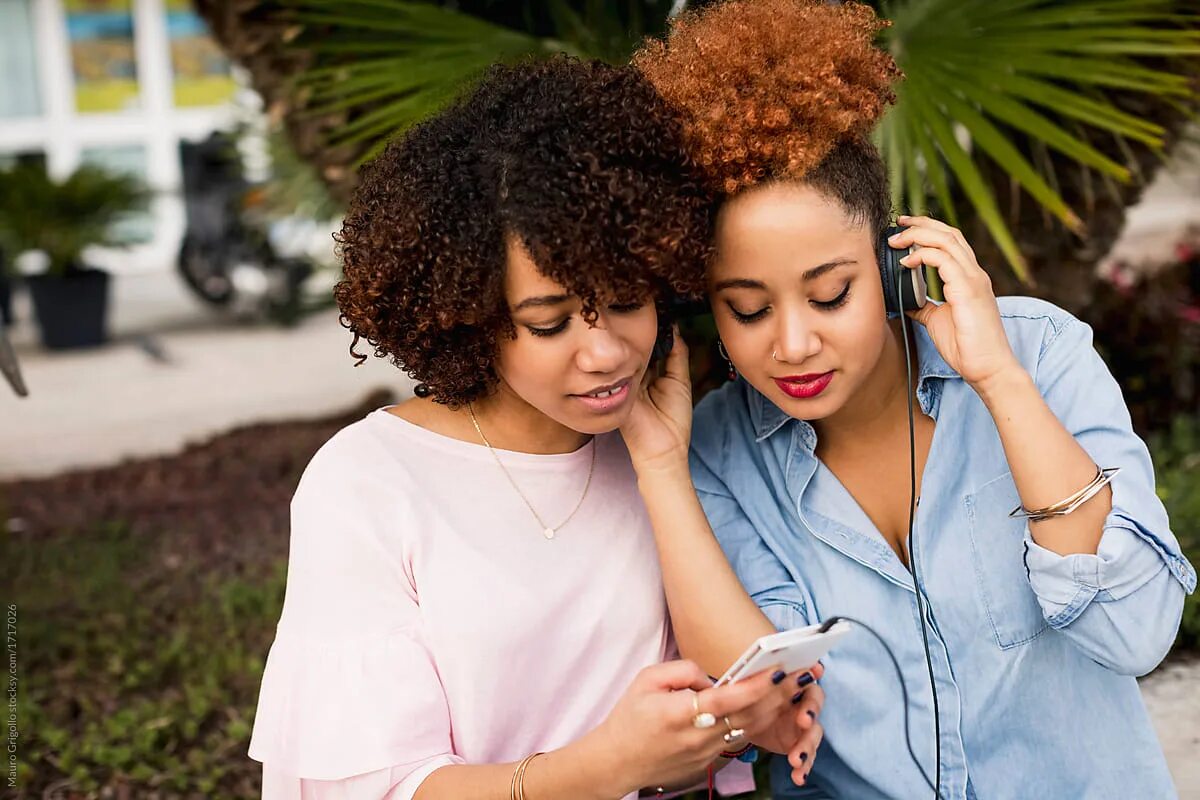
734, 735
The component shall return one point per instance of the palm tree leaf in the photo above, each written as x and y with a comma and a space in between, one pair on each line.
1015, 72
931, 160
968, 175
388, 63
1025, 118
995, 144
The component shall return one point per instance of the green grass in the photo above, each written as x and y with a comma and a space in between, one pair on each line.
134, 671
1177, 471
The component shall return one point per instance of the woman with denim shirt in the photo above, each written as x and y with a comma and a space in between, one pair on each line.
1037, 626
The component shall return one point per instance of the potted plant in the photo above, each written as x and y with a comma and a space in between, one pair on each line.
60, 219
6, 312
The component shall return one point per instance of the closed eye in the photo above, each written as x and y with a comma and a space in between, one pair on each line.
753, 316
551, 331
837, 302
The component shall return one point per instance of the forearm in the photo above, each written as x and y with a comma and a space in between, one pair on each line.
713, 617
1047, 463
573, 771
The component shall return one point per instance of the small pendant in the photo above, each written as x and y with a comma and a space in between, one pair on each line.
548, 533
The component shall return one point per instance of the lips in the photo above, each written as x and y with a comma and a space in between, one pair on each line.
608, 390
604, 399
803, 387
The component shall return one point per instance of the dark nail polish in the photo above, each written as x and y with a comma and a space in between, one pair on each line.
812, 714
803, 758
805, 679
797, 698
778, 677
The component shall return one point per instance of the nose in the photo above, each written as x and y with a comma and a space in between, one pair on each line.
796, 340
601, 351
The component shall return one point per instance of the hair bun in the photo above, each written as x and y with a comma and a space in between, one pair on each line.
767, 88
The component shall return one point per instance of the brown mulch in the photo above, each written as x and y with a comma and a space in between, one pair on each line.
225, 497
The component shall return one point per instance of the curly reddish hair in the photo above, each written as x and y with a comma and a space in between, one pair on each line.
768, 89
580, 162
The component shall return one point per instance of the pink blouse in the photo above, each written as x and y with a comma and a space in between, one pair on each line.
428, 622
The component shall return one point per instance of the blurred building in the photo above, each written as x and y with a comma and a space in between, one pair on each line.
122, 83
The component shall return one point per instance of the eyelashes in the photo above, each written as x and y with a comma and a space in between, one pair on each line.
823, 305
837, 302
623, 308
746, 319
559, 328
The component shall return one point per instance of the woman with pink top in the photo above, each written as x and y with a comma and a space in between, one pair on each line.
474, 604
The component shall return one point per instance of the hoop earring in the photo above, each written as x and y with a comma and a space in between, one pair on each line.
725, 355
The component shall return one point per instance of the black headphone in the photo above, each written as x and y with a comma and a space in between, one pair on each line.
911, 282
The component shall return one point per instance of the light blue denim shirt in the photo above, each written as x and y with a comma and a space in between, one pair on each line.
1034, 653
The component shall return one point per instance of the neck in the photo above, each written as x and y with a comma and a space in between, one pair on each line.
880, 407
510, 423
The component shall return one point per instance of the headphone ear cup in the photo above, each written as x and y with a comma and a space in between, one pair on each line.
913, 289
889, 268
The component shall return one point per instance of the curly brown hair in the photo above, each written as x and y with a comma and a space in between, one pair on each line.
579, 161
768, 89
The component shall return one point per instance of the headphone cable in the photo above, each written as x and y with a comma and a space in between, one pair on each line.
912, 559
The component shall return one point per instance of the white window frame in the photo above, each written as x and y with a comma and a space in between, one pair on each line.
62, 134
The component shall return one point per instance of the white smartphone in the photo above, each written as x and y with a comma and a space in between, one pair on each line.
789, 650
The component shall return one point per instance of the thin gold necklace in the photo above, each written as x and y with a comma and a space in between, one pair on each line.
547, 530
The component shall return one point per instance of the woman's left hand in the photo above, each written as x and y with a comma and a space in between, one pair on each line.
797, 732
966, 329
658, 430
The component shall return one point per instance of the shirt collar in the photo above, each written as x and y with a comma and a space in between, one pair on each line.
769, 418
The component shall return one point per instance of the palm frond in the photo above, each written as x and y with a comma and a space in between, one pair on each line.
390, 63
1004, 74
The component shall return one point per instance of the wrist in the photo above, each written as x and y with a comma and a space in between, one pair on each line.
664, 473
603, 772
1004, 384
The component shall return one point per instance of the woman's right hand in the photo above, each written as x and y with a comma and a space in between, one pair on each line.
659, 427
649, 739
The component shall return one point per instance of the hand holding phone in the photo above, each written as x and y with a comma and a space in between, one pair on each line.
788, 650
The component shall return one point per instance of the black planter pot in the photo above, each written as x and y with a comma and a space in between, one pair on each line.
71, 309
6, 290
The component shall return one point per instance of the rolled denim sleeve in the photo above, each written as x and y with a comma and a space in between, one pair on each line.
1122, 605
762, 574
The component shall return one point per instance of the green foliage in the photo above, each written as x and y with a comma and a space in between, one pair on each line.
1176, 454
295, 187
391, 63
1005, 80
397, 61
61, 218
136, 673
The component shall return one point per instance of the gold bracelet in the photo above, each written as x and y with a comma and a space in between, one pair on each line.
516, 788
1104, 476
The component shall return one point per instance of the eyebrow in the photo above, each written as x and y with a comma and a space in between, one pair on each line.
821, 269
544, 300
807, 275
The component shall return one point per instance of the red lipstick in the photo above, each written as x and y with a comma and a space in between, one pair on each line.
802, 387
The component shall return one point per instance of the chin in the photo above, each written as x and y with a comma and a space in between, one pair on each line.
809, 410
593, 424
596, 425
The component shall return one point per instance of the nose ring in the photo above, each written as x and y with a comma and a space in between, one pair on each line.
773, 358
